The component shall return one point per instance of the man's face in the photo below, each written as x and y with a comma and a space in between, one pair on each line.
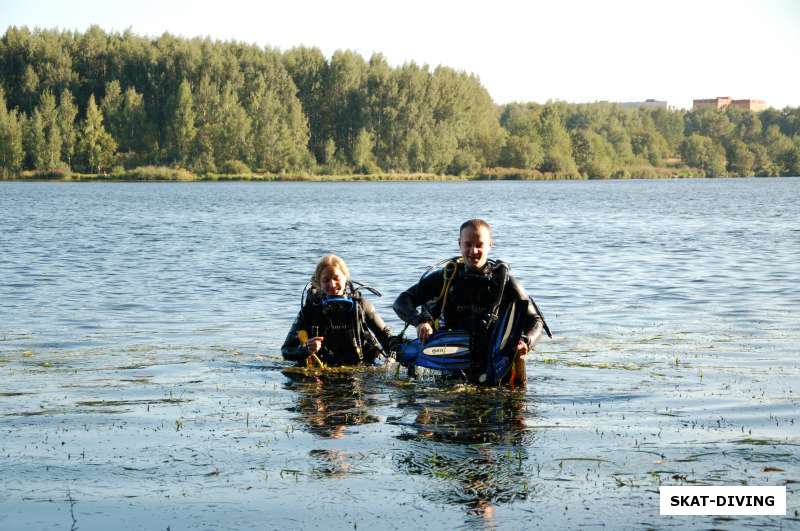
474, 246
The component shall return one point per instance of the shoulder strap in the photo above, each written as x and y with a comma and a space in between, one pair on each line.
500, 273
449, 272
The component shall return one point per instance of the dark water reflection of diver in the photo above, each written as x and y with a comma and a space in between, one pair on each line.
328, 404
474, 439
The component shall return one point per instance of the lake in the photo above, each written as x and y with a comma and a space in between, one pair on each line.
141, 325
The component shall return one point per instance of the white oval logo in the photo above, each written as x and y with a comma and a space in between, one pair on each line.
444, 350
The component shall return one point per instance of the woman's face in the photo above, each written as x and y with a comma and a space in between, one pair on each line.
332, 281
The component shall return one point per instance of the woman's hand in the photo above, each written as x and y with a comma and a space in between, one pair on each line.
314, 344
424, 331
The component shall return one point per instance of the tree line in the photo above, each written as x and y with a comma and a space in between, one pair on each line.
97, 101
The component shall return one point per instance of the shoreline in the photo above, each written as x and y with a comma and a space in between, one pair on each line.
172, 175
338, 179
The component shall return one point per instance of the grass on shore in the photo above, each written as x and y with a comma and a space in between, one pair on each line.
163, 173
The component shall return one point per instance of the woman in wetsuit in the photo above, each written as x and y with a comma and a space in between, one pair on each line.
336, 325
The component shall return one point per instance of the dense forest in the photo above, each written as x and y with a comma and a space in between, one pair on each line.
99, 103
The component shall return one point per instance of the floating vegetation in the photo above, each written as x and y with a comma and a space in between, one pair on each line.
764, 442
150, 401
630, 366
595, 459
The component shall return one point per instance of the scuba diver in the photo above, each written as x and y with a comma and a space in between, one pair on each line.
336, 325
498, 322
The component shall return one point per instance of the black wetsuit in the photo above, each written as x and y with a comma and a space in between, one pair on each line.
353, 334
470, 300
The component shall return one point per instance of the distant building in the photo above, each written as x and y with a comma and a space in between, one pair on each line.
726, 101
646, 104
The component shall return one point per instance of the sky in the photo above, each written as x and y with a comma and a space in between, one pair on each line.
567, 50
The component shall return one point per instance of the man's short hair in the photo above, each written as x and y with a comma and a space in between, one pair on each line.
475, 223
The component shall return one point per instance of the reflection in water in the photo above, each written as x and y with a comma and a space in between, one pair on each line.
331, 402
474, 440
327, 404
666, 369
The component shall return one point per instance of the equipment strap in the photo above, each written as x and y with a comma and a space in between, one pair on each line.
448, 274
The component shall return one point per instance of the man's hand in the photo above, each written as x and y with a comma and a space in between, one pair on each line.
424, 331
522, 348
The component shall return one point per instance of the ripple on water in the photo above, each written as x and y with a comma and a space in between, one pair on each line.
140, 355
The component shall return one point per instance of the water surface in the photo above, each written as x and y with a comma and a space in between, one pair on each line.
140, 328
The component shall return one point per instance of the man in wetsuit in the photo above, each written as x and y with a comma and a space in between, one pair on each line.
466, 294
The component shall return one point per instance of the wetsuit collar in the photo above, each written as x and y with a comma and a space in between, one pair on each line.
481, 271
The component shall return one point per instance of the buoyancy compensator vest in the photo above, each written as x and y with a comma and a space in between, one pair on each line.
339, 321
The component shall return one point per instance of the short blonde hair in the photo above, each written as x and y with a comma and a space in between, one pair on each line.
476, 224
328, 261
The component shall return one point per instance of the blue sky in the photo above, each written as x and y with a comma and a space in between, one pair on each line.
575, 51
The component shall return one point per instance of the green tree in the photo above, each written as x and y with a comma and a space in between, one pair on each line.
593, 154
521, 119
96, 145
233, 128
522, 152
418, 118
671, 126
779, 147
182, 130
523, 145
342, 112
440, 145
746, 125
111, 105
30, 87
329, 153
709, 122
556, 143
67, 113
126, 119
763, 166
206, 105
279, 137
11, 149
701, 152
46, 133
203, 161
137, 136
309, 70
651, 145
740, 159
792, 159
617, 134
363, 158
465, 109
464, 163
382, 108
